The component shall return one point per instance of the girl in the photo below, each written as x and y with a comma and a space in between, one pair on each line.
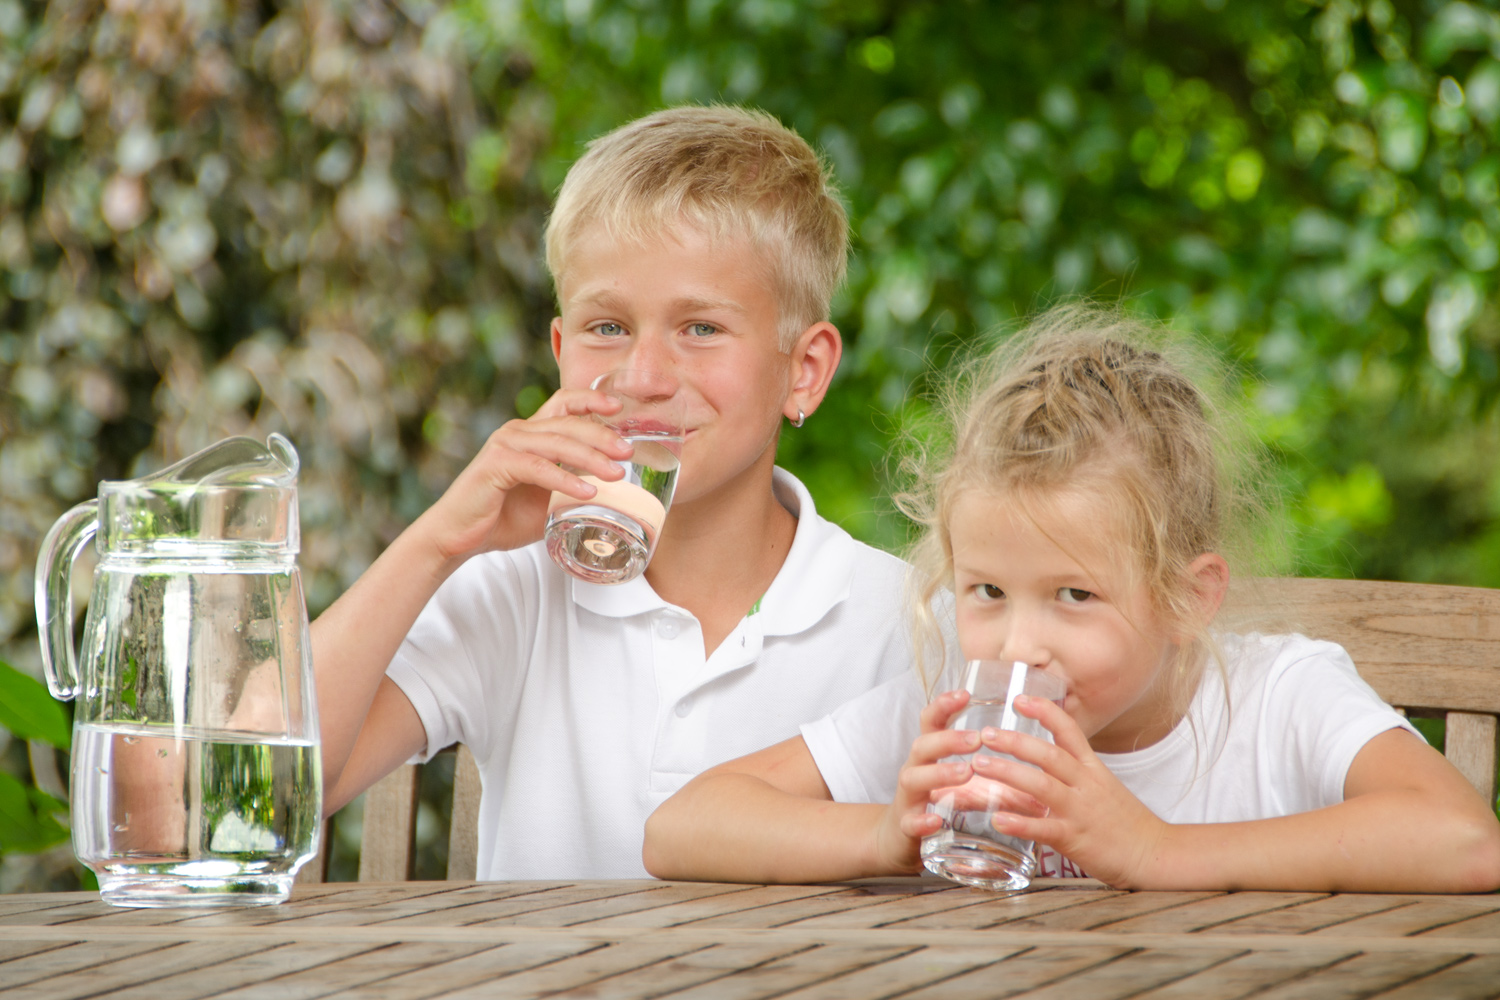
1080, 524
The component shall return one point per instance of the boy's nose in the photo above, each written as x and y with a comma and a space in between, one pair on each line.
651, 354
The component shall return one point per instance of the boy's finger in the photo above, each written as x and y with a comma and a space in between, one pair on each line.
577, 402
560, 449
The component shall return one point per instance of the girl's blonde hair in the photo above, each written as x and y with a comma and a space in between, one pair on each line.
1088, 401
729, 172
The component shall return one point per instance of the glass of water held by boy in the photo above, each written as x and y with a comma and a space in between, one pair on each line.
611, 538
702, 246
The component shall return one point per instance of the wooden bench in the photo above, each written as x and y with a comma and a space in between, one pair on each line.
1428, 649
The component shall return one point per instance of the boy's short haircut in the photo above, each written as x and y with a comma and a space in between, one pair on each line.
727, 171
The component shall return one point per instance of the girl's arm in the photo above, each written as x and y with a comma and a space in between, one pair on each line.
1409, 822
769, 816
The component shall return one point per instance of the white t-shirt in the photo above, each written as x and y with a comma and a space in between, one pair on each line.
586, 706
1282, 743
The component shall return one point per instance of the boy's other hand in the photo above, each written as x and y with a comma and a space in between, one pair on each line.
500, 499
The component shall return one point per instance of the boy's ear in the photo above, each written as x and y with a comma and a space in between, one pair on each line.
557, 338
815, 357
1210, 576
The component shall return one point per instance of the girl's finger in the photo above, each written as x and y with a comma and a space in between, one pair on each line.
917, 825
1032, 781
940, 711
921, 780
944, 743
1065, 731
1050, 758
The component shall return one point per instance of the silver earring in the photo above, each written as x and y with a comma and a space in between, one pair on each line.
801, 418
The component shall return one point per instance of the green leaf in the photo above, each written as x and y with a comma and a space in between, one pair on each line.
23, 830
29, 711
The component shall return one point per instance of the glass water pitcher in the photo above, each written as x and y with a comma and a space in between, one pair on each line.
196, 776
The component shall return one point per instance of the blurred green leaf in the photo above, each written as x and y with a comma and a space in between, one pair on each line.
29, 711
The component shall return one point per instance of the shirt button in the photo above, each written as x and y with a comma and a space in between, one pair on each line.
669, 628
684, 708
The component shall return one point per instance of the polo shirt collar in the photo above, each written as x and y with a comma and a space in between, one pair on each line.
813, 580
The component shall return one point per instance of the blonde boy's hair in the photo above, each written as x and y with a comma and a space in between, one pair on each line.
728, 172
1089, 402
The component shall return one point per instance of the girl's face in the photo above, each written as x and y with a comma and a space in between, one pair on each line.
1046, 595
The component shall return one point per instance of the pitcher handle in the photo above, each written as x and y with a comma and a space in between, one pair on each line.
54, 595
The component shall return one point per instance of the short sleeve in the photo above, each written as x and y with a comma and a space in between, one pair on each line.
460, 664
860, 746
1319, 714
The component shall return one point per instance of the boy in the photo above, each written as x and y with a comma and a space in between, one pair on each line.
703, 244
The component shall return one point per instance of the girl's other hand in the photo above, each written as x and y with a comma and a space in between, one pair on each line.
500, 499
906, 820
1090, 817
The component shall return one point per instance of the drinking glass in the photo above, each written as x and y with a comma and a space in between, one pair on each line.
610, 538
968, 849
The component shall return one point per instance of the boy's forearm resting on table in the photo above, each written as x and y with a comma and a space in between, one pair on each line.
734, 827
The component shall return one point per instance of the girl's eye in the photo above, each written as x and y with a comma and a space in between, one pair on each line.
702, 329
609, 329
988, 592
1073, 595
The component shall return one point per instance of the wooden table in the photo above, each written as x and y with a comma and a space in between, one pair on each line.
899, 937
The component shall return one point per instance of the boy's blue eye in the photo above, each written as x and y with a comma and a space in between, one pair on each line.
702, 329
609, 329
1074, 595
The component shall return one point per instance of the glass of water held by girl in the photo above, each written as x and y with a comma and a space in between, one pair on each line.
610, 538
968, 849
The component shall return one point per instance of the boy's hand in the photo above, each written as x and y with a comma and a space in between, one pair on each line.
499, 501
906, 820
1090, 817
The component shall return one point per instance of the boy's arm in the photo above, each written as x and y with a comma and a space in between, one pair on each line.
1409, 822
498, 502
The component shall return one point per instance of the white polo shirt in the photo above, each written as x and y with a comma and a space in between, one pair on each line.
586, 706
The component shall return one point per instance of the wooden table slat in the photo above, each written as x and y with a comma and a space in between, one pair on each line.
1032, 969
911, 971
100, 977
1471, 979
989, 909
488, 967
1130, 973
801, 969
1246, 975
1361, 976
1318, 914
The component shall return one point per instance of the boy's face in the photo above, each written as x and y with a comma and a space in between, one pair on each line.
700, 312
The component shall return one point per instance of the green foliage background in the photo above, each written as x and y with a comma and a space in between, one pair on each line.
322, 217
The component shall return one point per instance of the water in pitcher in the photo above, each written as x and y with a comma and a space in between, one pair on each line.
610, 538
214, 815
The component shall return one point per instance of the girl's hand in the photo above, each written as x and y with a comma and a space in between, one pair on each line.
898, 839
500, 499
1090, 817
